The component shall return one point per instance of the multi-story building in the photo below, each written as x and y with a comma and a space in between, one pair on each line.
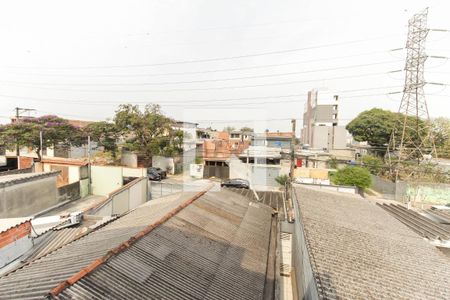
320, 123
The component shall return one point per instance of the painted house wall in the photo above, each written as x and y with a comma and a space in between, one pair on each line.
105, 179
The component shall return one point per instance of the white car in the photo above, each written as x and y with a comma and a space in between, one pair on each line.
441, 207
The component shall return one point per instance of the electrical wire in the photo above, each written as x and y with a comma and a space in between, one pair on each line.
178, 102
181, 62
207, 88
202, 72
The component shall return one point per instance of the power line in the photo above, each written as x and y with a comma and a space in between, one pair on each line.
201, 81
206, 59
205, 71
209, 88
190, 101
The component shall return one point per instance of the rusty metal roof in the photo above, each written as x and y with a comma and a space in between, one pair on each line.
215, 247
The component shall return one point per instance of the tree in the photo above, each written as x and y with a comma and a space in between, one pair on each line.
441, 134
149, 131
246, 129
351, 175
282, 179
375, 127
229, 129
26, 133
105, 134
372, 163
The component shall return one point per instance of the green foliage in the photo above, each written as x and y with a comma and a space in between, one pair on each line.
105, 134
246, 129
282, 179
26, 133
441, 133
355, 176
149, 132
332, 163
372, 163
375, 126
198, 160
229, 129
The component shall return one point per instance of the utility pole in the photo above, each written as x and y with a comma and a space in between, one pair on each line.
41, 144
291, 173
89, 163
18, 111
412, 138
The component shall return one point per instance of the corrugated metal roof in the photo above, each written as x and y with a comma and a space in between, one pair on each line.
216, 247
358, 251
40, 276
418, 223
273, 199
8, 223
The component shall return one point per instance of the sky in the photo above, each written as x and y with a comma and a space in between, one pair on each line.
217, 63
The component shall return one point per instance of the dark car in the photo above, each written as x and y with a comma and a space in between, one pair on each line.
236, 183
159, 171
154, 176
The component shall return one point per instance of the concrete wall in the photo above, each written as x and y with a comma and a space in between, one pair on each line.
129, 159
334, 188
84, 188
383, 186
320, 136
126, 198
165, 163
28, 198
438, 193
69, 192
105, 179
134, 172
196, 170
301, 263
340, 137
257, 175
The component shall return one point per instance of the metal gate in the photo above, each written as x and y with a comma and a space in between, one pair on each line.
218, 169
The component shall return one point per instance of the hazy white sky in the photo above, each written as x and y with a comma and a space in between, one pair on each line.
239, 60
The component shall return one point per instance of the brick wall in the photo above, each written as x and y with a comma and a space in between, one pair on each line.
15, 233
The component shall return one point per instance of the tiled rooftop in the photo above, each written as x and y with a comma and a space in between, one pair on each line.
215, 248
359, 251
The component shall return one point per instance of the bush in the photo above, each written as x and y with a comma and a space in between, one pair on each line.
356, 176
373, 164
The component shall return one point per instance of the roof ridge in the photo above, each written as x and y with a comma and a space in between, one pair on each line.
116, 250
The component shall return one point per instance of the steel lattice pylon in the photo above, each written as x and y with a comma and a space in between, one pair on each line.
411, 139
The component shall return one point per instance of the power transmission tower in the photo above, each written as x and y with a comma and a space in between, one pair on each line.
412, 140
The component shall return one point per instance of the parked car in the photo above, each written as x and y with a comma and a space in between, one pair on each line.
153, 176
160, 171
236, 183
441, 207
